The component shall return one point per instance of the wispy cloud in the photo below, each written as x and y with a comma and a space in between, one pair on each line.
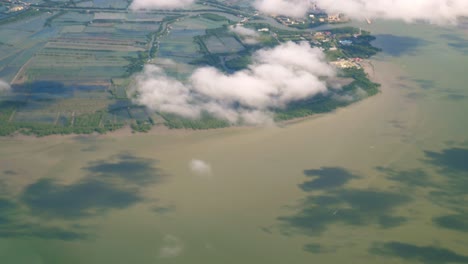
435, 11
4, 86
293, 8
172, 247
248, 35
160, 4
200, 167
276, 77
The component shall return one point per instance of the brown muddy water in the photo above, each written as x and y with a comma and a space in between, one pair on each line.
382, 181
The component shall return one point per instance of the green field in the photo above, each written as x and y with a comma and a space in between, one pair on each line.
70, 67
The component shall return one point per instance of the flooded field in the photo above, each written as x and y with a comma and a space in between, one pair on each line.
382, 181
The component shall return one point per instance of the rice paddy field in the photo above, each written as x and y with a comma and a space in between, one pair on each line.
71, 67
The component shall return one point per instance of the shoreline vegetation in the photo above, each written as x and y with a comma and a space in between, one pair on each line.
127, 130
348, 48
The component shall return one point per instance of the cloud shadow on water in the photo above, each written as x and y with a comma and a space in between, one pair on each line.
425, 84
458, 43
457, 222
397, 46
326, 178
314, 248
10, 172
424, 254
127, 168
354, 207
409, 178
450, 160
37, 231
85, 198
12, 226
110, 184
452, 164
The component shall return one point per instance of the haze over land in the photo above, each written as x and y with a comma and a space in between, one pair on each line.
250, 36
435, 11
4, 86
160, 4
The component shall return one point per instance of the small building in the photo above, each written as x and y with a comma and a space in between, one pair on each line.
263, 30
344, 64
334, 18
16, 8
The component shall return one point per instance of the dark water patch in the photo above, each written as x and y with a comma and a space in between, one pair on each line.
163, 210
425, 84
10, 172
453, 37
397, 124
327, 177
85, 198
28, 230
316, 212
461, 47
457, 42
110, 184
424, 254
457, 222
90, 149
387, 221
127, 168
456, 97
450, 197
7, 210
13, 226
399, 45
310, 221
450, 160
6, 205
314, 248
411, 178
416, 95
373, 202
452, 164
352, 207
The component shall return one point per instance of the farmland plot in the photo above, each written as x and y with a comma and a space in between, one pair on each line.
226, 44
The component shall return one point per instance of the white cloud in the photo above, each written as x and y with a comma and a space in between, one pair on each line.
160, 92
248, 35
172, 247
4, 86
436, 11
293, 8
277, 76
200, 167
160, 4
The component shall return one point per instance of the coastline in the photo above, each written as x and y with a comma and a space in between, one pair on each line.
369, 68
126, 131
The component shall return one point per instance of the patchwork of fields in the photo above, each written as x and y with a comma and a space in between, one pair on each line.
71, 64
70, 68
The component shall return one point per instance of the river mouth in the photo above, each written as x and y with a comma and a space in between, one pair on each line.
381, 179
